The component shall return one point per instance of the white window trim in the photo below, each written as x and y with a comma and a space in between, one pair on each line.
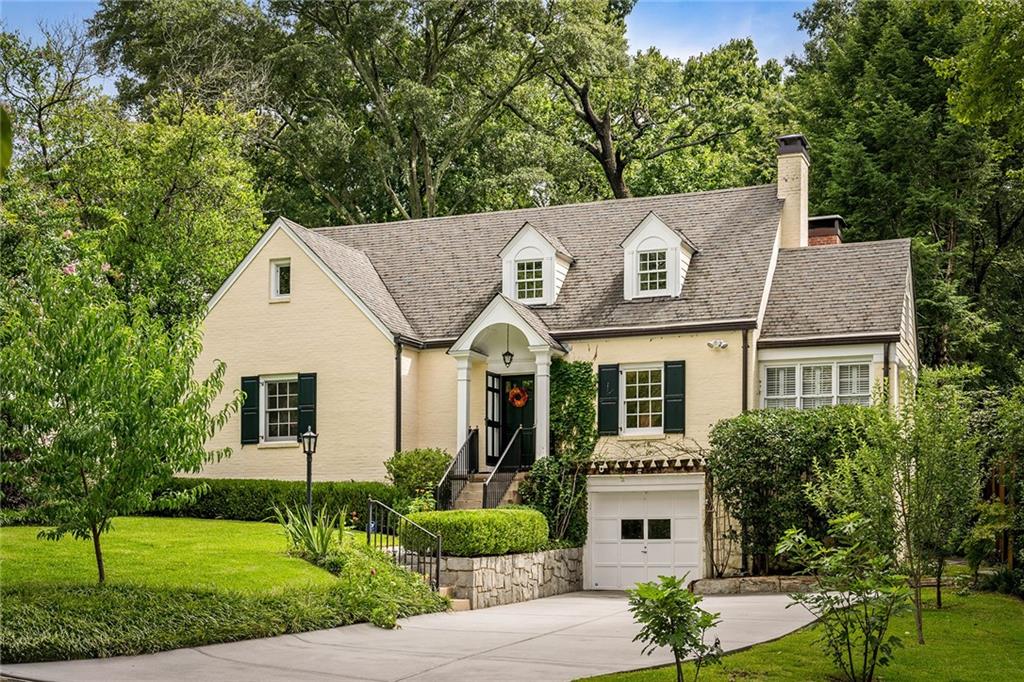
274, 265
264, 378
640, 293
647, 431
810, 362
543, 280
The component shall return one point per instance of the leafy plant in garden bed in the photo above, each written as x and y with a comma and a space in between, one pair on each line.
478, 532
671, 617
859, 591
416, 472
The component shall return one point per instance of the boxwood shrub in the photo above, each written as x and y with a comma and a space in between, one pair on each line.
480, 532
241, 499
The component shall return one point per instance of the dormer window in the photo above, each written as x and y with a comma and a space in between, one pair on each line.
655, 260
534, 265
530, 280
652, 270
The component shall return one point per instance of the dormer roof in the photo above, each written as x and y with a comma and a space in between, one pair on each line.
645, 224
551, 239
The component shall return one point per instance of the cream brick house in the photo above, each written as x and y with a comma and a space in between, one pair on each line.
691, 307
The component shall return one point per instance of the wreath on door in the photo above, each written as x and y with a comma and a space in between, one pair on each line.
517, 396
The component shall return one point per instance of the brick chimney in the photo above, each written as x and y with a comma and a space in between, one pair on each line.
794, 169
825, 230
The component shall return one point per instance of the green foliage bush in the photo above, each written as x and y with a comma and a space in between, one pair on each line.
480, 532
557, 485
761, 463
45, 624
242, 499
415, 472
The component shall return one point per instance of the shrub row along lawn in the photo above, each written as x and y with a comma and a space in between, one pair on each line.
185, 582
974, 637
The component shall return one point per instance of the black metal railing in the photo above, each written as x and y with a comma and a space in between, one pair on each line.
497, 484
456, 476
411, 546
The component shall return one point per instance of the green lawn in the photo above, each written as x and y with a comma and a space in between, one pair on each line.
974, 637
176, 582
200, 553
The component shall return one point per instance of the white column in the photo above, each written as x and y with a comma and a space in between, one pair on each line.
542, 399
462, 399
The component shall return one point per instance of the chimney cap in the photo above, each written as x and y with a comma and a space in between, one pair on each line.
793, 144
832, 222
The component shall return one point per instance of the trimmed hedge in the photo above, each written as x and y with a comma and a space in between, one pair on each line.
240, 499
480, 532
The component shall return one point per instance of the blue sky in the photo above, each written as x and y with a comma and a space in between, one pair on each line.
679, 28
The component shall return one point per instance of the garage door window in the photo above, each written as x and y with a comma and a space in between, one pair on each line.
632, 529
659, 529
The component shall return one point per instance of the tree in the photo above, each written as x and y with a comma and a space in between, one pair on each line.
631, 113
101, 402
858, 592
918, 472
671, 618
890, 156
168, 200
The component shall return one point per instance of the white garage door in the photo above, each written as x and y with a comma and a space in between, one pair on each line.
637, 536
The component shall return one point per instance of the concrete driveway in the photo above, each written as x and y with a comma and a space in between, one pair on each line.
558, 638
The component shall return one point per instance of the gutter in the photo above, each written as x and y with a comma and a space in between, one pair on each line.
796, 341
398, 393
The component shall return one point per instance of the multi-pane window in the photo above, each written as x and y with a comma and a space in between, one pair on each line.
529, 280
780, 387
652, 269
281, 409
642, 401
281, 279
854, 385
815, 386
819, 384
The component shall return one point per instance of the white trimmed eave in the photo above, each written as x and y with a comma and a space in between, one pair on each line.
498, 311
282, 224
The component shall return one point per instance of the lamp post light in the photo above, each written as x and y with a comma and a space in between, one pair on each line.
309, 447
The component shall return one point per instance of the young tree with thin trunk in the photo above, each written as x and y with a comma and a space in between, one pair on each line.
100, 400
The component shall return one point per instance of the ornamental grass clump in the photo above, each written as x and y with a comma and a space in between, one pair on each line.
314, 537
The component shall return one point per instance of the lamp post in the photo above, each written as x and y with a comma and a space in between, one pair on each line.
309, 447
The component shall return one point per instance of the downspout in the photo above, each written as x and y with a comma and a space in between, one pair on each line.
398, 393
885, 372
746, 371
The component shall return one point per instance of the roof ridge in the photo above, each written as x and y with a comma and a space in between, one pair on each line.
872, 242
576, 204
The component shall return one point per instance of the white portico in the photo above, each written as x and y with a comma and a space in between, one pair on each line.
515, 348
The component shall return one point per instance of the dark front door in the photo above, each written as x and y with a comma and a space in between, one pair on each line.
517, 409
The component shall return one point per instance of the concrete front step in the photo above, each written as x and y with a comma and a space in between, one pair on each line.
461, 605
472, 496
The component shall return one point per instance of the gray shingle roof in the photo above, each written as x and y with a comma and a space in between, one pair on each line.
355, 269
531, 318
443, 271
836, 290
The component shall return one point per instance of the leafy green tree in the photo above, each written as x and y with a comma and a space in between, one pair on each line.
890, 156
659, 123
918, 472
858, 592
988, 69
671, 617
101, 402
168, 200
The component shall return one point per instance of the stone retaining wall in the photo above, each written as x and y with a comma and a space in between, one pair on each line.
785, 584
496, 580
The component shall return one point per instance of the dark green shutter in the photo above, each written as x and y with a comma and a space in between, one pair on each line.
251, 410
608, 400
675, 396
307, 403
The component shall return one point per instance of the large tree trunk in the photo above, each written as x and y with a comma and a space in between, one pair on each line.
99, 554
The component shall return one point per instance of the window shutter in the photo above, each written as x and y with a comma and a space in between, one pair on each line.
307, 403
675, 396
251, 410
608, 400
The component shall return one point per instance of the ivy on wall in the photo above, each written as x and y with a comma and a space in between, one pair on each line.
557, 484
